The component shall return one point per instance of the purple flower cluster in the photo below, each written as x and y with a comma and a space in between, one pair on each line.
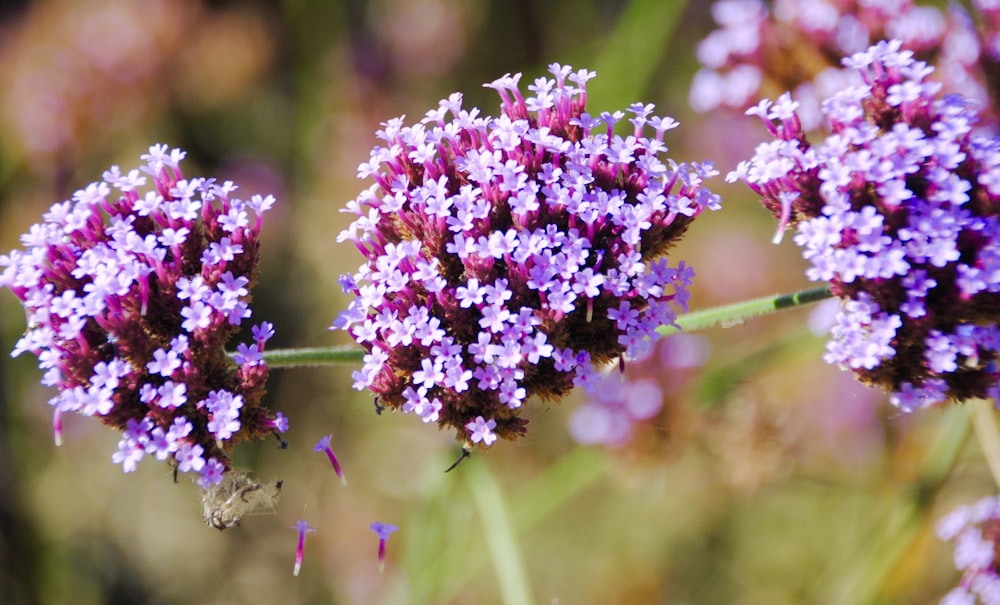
975, 530
899, 209
796, 45
130, 297
510, 256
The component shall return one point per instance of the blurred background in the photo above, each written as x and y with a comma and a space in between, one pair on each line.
749, 471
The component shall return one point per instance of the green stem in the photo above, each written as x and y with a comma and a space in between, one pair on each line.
737, 313
500, 536
535, 501
900, 522
725, 315
313, 356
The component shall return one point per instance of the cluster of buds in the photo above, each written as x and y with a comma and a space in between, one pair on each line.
509, 257
131, 296
898, 209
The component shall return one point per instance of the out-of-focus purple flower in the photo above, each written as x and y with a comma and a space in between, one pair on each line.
131, 293
607, 419
898, 209
509, 257
303, 528
975, 531
622, 402
796, 45
989, 10
384, 530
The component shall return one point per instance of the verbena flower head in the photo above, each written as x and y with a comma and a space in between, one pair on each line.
975, 530
507, 257
131, 293
796, 45
898, 209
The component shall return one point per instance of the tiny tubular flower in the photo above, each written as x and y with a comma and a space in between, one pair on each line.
303, 528
324, 446
383, 530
